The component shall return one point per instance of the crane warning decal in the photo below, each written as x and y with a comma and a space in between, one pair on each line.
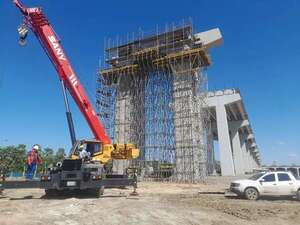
59, 52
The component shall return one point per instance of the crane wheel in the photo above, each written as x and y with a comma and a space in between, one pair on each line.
98, 192
51, 192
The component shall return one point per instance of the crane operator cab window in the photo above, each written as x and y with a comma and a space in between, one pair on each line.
88, 149
83, 153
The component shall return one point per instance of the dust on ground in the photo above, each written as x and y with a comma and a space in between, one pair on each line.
157, 203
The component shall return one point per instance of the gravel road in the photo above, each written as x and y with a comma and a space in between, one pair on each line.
157, 203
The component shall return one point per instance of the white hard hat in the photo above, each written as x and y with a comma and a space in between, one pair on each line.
36, 147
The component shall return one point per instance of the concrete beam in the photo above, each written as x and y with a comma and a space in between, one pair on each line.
223, 99
250, 137
209, 39
240, 123
229, 107
253, 145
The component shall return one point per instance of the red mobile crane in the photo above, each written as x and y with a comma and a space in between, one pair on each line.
74, 172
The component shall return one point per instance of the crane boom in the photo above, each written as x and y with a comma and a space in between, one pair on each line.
39, 24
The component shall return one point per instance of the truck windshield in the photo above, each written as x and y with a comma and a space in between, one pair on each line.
93, 147
256, 176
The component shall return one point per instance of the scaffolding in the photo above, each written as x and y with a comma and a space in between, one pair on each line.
152, 94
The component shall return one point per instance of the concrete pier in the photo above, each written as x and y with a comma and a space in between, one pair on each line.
239, 153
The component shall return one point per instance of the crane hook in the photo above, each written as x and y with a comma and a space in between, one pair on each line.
23, 32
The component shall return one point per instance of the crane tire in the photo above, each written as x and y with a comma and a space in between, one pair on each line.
51, 192
98, 192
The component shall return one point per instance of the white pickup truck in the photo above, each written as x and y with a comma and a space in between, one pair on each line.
267, 184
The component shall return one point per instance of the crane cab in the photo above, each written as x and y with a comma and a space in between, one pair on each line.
94, 150
88, 147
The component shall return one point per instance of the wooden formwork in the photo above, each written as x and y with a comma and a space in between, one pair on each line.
198, 57
129, 69
146, 54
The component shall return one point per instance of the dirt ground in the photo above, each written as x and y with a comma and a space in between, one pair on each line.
157, 203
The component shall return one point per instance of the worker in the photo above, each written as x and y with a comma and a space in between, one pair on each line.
33, 159
83, 154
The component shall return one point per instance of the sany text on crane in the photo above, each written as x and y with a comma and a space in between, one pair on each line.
58, 50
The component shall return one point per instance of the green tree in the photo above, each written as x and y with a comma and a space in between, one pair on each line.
12, 159
50, 157
47, 157
60, 155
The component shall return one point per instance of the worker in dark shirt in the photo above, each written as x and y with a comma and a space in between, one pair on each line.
33, 160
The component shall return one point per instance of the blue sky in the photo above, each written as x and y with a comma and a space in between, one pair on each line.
260, 55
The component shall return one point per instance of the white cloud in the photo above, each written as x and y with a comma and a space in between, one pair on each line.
281, 142
292, 155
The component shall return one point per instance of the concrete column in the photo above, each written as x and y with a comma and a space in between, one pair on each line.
245, 153
247, 162
255, 161
210, 155
226, 159
236, 147
250, 160
252, 149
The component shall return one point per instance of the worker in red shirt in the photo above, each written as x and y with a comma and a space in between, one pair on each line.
33, 159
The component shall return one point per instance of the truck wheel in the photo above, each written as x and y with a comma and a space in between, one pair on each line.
98, 192
102, 190
251, 193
